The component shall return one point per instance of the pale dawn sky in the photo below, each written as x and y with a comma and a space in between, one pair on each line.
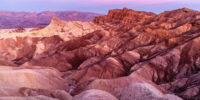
98, 6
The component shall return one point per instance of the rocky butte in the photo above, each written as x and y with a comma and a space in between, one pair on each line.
124, 55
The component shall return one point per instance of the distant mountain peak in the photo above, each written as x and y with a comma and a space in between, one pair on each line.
56, 21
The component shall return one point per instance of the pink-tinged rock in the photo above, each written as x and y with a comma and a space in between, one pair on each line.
94, 95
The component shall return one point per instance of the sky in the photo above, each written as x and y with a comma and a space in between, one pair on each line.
97, 6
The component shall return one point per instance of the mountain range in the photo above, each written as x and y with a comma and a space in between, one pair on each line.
10, 19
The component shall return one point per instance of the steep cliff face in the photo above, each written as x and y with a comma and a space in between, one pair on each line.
153, 56
125, 16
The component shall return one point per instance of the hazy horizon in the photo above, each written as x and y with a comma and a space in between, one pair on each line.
96, 6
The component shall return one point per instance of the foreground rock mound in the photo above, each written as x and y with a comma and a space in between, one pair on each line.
140, 91
29, 93
94, 95
31, 78
154, 56
28, 98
